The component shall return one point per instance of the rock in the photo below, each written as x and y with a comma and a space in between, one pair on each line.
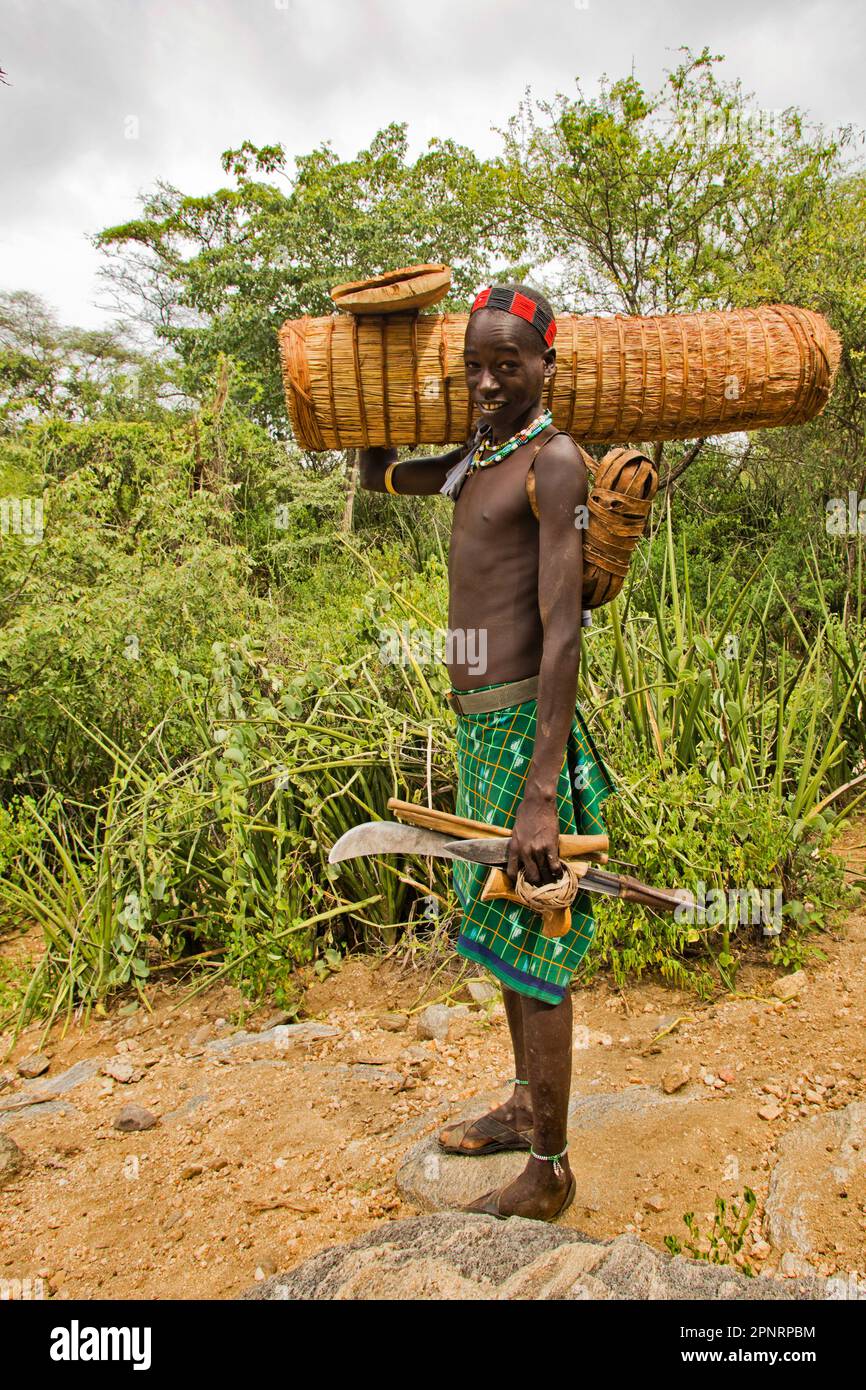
186, 1109
789, 986
464, 1258
132, 1118
277, 1019
34, 1065
6, 1079
772, 1111
792, 1266
481, 991
434, 1022
12, 1159
727, 1075
36, 1111
192, 1170
656, 1202
708, 1079
392, 1023
668, 1022
434, 1181
282, 1036
585, 1037
565, 1272
119, 1069
51, 1086
816, 1158
418, 1060
675, 1079
73, 1076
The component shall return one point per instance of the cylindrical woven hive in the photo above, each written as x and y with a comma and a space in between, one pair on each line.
398, 379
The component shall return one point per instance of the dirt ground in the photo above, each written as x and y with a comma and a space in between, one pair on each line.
265, 1154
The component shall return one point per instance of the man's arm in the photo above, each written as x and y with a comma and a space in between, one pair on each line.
560, 487
412, 477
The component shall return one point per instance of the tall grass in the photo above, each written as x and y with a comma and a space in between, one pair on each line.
692, 686
228, 846
729, 751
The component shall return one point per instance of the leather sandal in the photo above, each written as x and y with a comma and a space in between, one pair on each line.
501, 1138
488, 1205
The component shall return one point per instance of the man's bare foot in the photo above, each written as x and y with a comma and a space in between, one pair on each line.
537, 1194
469, 1135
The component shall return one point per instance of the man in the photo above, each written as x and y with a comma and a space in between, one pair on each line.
525, 758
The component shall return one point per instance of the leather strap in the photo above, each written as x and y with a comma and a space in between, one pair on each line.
484, 701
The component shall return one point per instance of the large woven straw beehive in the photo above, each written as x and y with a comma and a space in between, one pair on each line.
397, 379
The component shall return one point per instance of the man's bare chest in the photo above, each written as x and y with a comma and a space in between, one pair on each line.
493, 506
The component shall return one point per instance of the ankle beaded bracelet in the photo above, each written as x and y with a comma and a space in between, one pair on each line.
516, 1081
551, 1158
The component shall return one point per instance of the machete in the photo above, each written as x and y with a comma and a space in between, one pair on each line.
389, 837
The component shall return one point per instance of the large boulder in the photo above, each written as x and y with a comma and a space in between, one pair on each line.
819, 1160
434, 1181
462, 1257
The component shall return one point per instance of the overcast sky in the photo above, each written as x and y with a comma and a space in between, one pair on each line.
187, 79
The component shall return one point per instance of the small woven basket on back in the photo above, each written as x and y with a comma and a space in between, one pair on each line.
624, 485
623, 488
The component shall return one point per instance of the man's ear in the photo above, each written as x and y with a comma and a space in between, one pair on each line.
549, 363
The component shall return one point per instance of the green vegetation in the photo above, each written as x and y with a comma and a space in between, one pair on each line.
725, 1237
197, 697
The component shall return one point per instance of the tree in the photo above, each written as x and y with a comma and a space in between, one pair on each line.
657, 203
72, 373
686, 198
220, 273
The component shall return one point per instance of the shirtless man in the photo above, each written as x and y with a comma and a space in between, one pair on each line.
530, 765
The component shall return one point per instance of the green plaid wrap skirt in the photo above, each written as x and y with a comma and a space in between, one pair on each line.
494, 751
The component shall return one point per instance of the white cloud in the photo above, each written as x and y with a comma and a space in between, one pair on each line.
203, 75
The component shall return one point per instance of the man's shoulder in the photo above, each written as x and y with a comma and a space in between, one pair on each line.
561, 463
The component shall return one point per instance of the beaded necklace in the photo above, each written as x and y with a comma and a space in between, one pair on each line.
459, 472
509, 446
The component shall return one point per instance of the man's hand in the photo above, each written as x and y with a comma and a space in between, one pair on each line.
534, 844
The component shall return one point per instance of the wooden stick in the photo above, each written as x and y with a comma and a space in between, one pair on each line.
460, 828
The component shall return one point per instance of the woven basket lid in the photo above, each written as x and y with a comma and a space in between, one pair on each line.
395, 292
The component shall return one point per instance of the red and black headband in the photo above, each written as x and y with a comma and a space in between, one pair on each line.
513, 302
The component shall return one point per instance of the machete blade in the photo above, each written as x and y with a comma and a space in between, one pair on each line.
388, 837
483, 851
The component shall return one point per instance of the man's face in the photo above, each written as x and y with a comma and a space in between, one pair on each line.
507, 366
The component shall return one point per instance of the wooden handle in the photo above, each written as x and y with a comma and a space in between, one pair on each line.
570, 846
661, 899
